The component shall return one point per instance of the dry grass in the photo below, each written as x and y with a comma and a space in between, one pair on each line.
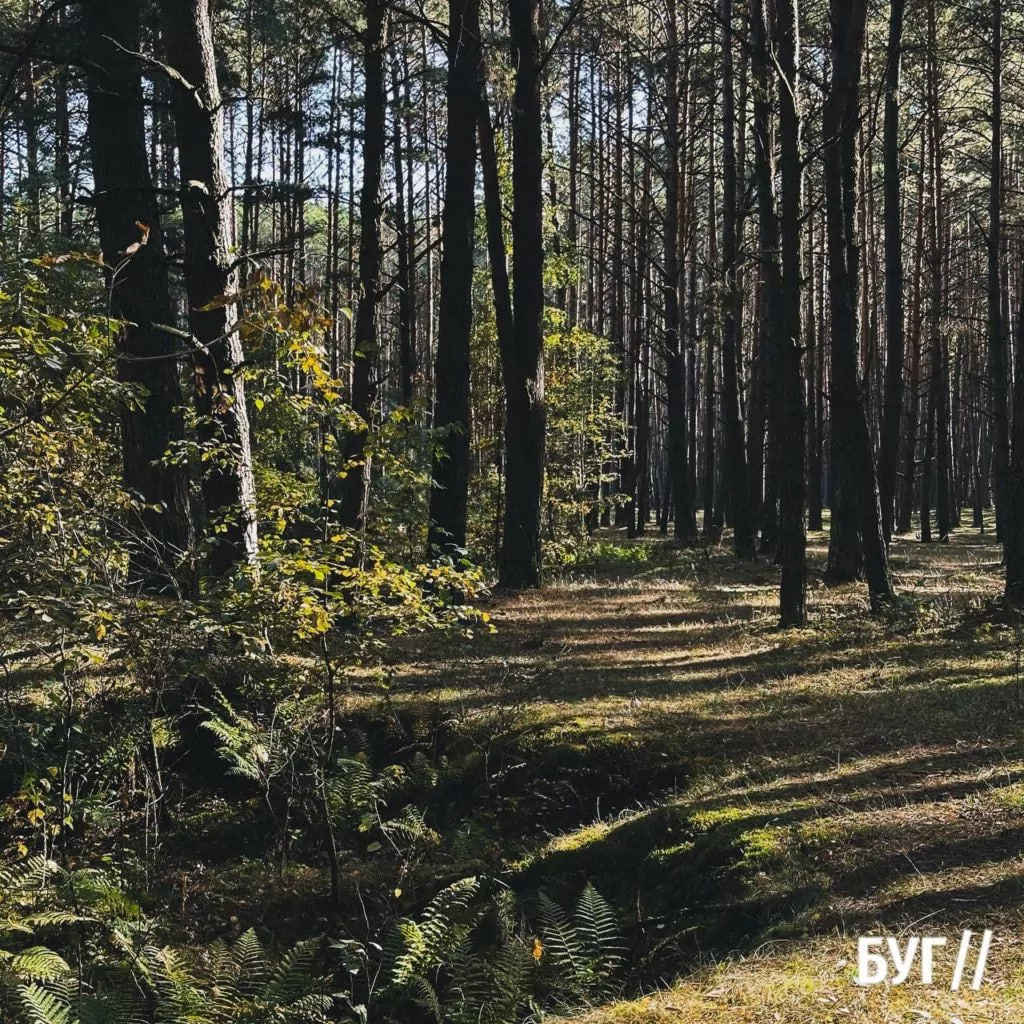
756, 799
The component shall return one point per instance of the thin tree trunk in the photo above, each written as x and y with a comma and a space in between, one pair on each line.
685, 525
765, 403
892, 406
403, 221
792, 481
997, 369
735, 465
364, 351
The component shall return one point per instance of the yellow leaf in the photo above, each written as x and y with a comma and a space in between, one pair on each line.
101, 630
36, 815
538, 950
398, 892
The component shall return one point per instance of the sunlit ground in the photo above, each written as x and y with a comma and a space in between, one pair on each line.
753, 800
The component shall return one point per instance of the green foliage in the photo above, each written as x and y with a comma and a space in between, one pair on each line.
59, 399
471, 958
110, 695
236, 984
585, 951
585, 435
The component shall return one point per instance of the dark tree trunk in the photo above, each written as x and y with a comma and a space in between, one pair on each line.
211, 283
711, 328
892, 405
1013, 534
939, 382
403, 229
523, 362
792, 481
816, 363
364, 349
905, 508
997, 370
1012, 519
139, 292
765, 402
928, 462
449, 494
735, 464
684, 521
495, 229
856, 483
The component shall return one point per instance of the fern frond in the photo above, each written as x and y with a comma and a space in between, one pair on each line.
598, 929
423, 994
292, 977
250, 962
561, 942
44, 1005
39, 964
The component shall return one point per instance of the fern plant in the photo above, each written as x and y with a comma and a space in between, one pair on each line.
470, 959
582, 953
237, 984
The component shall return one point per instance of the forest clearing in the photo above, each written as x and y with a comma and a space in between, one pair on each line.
758, 800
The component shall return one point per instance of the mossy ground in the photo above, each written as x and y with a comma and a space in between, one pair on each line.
751, 800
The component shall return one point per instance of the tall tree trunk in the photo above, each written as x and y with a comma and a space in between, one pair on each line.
211, 282
939, 383
857, 486
892, 405
523, 362
997, 369
364, 350
711, 328
684, 523
449, 493
816, 363
494, 218
139, 292
403, 224
905, 507
928, 459
765, 403
735, 465
792, 481
1013, 522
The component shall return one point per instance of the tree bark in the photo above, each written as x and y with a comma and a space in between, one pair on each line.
684, 520
765, 403
211, 283
892, 405
792, 480
997, 369
126, 212
735, 465
856, 483
449, 493
364, 349
523, 361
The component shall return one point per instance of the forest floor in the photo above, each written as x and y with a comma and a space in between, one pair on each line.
752, 800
